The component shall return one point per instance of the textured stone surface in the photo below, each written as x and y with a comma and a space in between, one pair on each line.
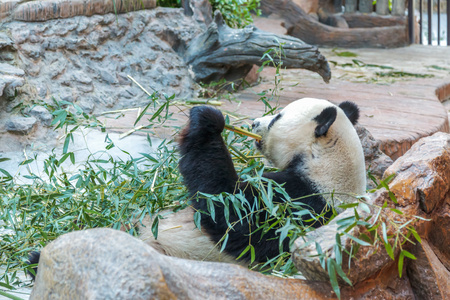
87, 59
109, 264
20, 125
423, 173
200, 10
55, 9
42, 114
376, 161
429, 277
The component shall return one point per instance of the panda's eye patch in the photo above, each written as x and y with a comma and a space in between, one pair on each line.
277, 117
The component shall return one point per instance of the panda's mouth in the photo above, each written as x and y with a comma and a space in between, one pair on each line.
259, 144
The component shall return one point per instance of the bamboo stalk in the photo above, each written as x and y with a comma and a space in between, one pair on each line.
209, 102
243, 132
130, 132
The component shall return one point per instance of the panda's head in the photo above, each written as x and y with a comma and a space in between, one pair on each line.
322, 135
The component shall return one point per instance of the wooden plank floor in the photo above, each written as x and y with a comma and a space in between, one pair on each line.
397, 114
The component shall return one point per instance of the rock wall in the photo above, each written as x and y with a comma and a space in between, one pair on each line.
86, 60
26, 10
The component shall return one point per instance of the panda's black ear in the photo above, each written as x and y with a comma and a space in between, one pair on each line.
324, 120
351, 110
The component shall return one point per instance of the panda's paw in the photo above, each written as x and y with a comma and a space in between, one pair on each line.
206, 119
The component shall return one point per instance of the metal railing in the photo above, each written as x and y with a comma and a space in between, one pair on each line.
429, 13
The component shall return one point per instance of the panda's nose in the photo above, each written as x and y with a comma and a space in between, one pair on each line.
255, 124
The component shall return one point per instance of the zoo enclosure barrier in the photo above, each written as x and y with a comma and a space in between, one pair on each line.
431, 5
425, 10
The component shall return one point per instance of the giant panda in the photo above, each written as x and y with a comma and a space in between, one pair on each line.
311, 141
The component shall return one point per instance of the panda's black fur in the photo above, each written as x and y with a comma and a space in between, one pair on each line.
207, 167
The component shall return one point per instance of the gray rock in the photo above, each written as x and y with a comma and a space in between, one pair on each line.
5, 41
81, 77
42, 114
93, 55
375, 159
8, 69
8, 84
2, 87
110, 264
86, 104
20, 125
108, 77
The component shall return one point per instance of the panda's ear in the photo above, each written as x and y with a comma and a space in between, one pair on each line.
324, 120
351, 110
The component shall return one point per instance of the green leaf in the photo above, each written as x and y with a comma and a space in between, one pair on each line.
396, 211
359, 241
389, 250
333, 278
345, 53
400, 263
364, 207
224, 242
142, 113
408, 255
5, 294
66, 143
155, 226
252, 254
393, 198
342, 274
197, 219
5, 172
26, 162
243, 252
416, 235
383, 226
211, 208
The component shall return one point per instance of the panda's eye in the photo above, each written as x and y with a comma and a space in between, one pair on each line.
277, 117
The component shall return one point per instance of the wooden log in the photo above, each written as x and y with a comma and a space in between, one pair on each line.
370, 21
382, 7
224, 52
365, 6
309, 30
398, 7
350, 6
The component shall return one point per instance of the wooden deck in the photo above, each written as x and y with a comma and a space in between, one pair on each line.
397, 111
397, 115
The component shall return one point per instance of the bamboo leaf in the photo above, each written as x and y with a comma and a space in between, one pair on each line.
359, 241
400, 263
333, 278
197, 219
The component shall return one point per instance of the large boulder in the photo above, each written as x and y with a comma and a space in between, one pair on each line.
110, 264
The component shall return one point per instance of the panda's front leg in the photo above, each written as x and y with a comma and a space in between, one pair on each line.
205, 162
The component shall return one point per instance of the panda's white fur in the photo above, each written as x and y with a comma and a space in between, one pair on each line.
332, 162
178, 236
293, 133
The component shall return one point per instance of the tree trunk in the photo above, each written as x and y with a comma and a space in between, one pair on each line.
223, 52
308, 29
